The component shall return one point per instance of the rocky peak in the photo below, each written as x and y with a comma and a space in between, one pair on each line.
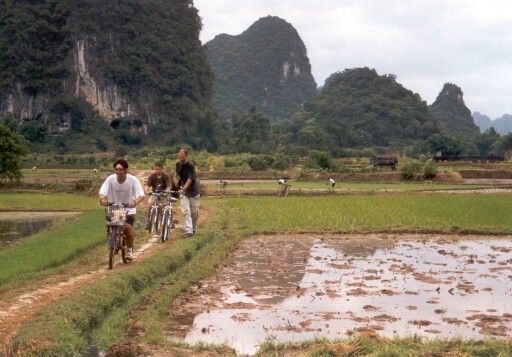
266, 66
449, 108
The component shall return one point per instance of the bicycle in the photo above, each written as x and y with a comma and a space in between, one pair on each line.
155, 216
115, 216
167, 216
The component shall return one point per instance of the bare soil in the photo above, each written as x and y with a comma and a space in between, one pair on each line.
18, 306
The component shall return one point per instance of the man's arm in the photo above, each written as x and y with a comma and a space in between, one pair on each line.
186, 186
139, 194
103, 193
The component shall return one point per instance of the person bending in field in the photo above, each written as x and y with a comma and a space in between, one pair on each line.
157, 181
123, 188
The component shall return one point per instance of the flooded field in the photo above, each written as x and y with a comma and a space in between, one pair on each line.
17, 225
293, 288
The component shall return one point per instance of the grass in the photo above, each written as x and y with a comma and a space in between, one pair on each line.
343, 186
140, 297
37, 201
487, 213
75, 173
51, 248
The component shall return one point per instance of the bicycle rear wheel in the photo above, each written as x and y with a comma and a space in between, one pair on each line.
123, 248
166, 226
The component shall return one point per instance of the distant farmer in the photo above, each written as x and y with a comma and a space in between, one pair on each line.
185, 178
157, 181
123, 188
281, 181
332, 182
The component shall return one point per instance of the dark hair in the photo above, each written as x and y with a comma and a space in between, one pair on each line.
159, 164
121, 162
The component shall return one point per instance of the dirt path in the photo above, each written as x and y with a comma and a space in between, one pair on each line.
20, 306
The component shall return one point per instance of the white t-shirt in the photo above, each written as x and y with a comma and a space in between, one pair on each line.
122, 193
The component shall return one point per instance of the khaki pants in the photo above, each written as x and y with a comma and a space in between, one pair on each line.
190, 210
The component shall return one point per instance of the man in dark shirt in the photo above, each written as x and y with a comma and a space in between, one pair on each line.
185, 178
158, 180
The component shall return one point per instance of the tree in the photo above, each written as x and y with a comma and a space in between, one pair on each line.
449, 145
12, 148
485, 141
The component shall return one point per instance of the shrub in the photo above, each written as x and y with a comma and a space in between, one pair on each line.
282, 162
409, 168
259, 162
430, 170
319, 160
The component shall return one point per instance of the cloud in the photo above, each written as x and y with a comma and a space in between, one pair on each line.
424, 43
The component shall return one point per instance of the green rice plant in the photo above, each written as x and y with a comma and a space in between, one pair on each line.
46, 202
145, 291
302, 187
375, 212
52, 248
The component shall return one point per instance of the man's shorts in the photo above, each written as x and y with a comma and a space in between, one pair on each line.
130, 219
152, 199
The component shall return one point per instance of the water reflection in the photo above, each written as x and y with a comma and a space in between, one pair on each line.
17, 225
297, 288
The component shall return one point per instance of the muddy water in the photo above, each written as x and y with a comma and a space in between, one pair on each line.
297, 288
17, 225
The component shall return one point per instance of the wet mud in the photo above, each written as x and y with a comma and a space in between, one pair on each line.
293, 288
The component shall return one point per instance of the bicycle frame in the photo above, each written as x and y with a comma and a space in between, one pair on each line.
115, 220
167, 217
155, 216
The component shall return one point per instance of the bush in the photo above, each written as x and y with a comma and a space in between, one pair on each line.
259, 162
409, 168
430, 170
319, 160
282, 162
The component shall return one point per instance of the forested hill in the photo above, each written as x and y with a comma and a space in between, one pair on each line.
137, 65
266, 66
358, 107
449, 108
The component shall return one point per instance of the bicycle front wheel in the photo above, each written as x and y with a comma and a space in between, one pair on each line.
111, 248
158, 224
152, 220
166, 226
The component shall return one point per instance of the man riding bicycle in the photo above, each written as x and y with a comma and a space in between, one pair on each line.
158, 180
123, 188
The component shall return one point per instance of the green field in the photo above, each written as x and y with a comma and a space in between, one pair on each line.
104, 311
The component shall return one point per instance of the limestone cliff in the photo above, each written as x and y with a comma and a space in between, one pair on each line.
266, 66
449, 108
139, 61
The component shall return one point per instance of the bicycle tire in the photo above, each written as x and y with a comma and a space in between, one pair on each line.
111, 248
123, 248
165, 226
159, 220
152, 220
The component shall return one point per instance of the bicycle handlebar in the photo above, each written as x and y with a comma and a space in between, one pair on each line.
161, 193
124, 205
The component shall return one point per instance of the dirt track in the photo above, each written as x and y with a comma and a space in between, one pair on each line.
18, 307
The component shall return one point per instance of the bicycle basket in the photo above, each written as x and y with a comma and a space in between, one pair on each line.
116, 215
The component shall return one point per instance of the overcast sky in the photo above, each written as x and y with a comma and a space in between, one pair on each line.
425, 43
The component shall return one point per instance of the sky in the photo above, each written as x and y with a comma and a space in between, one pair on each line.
425, 43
